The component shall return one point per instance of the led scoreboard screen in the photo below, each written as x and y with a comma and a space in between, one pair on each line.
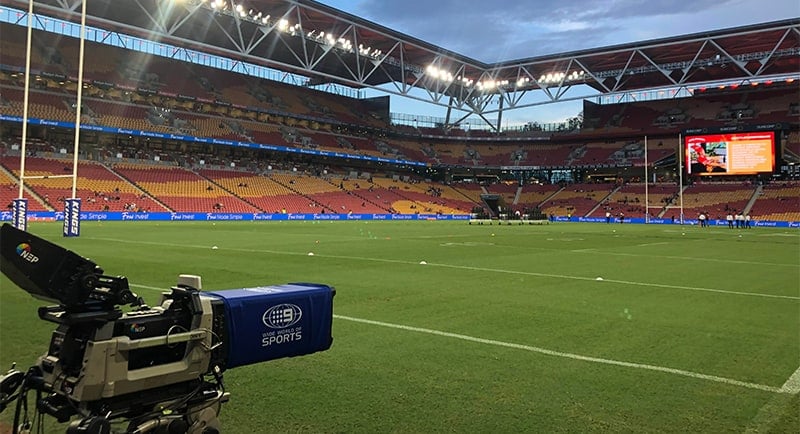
730, 154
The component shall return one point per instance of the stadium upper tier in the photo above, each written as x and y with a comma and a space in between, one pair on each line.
133, 90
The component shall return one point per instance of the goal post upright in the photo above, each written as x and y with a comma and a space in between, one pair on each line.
680, 173
646, 183
20, 204
72, 206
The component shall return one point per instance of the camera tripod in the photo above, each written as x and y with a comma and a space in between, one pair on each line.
196, 412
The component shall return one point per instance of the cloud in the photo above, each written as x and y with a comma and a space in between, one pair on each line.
588, 10
513, 29
426, 13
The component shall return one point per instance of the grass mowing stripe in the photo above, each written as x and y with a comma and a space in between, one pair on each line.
639, 255
623, 282
685, 258
783, 390
465, 267
545, 351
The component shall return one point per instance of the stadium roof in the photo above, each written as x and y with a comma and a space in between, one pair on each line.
331, 46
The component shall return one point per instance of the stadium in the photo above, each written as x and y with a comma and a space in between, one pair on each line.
658, 289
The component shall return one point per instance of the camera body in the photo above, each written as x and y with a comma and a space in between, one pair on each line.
154, 366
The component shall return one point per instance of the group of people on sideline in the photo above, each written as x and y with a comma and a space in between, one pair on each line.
735, 220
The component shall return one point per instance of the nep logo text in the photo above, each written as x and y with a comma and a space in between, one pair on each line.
24, 252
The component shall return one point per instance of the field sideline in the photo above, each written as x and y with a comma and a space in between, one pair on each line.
444, 326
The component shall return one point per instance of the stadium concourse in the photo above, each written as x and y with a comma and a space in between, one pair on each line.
170, 136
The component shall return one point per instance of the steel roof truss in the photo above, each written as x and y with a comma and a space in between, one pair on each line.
378, 63
619, 82
156, 22
588, 71
256, 39
733, 60
191, 11
765, 60
238, 45
359, 72
662, 70
688, 68
516, 94
332, 49
71, 7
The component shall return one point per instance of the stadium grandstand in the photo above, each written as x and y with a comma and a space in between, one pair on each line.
187, 136
263, 115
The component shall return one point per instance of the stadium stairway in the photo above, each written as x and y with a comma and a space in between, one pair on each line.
756, 195
412, 201
601, 201
552, 195
471, 200
667, 206
136, 186
517, 195
289, 187
234, 194
32, 194
363, 198
144, 190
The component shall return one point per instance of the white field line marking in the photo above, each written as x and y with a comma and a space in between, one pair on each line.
465, 267
554, 353
595, 250
570, 355
622, 282
678, 258
792, 385
684, 258
724, 229
652, 244
776, 407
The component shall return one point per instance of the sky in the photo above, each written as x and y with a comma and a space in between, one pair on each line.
514, 29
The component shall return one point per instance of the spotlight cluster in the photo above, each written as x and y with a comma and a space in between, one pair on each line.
439, 73
561, 77
488, 85
491, 84
329, 39
231, 7
224, 6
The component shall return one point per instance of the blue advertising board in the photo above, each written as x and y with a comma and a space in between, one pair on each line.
209, 216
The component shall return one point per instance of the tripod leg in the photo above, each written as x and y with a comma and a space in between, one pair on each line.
203, 418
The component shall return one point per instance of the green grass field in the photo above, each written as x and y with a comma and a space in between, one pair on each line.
504, 329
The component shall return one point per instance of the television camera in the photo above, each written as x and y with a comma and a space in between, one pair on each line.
150, 369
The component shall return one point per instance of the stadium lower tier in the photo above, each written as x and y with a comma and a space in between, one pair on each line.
147, 188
